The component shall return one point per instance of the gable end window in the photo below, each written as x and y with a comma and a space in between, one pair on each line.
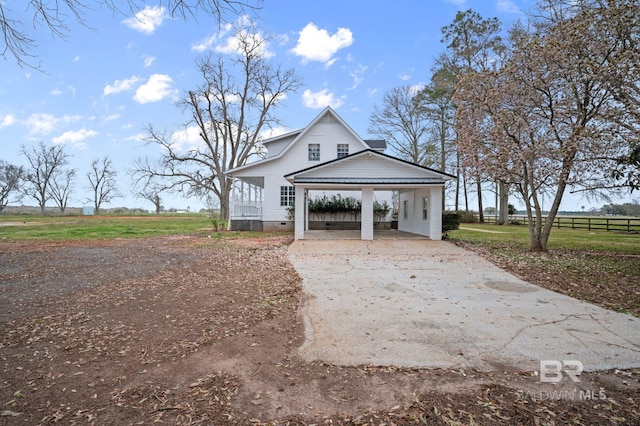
287, 196
314, 152
343, 150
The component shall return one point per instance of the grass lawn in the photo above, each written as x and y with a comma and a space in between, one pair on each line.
17, 228
562, 238
595, 266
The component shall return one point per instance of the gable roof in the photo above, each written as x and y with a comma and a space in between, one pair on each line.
300, 134
397, 172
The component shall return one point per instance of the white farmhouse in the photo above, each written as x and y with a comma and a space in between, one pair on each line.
327, 156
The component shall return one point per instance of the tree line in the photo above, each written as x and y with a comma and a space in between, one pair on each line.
550, 106
47, 177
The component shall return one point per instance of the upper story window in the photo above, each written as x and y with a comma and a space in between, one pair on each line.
314, 152
343, 150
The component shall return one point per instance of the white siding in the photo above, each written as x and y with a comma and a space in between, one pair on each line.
406, 202
432, 227
369, 166
326, 133
276, 147
421, 226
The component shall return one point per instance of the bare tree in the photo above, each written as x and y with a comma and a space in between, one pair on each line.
55, 16
228, 111
43, 163
103, 184
61, 186
405, 126
154, 198
474, 45
11, 177
435, 100
148, 186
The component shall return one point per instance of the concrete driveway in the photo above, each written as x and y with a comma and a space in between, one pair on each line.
422, 303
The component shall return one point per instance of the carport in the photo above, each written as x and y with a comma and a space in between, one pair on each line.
420, 189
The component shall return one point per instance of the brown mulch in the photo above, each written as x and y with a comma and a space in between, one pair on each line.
194, 330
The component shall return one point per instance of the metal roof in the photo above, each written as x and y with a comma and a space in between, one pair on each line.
370, 181
376, 143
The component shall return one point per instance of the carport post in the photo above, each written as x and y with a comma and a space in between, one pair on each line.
300, 212
366, 214
435, 213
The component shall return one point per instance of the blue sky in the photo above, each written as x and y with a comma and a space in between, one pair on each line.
103, 84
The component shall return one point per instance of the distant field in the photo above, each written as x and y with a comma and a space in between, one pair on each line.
16, 228
563, 238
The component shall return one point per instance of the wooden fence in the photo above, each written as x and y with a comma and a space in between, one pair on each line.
581, 222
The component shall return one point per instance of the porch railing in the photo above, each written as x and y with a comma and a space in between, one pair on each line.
247, 210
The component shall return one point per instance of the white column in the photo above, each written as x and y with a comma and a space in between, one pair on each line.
435, 213
301, 206
231, 202
366, 214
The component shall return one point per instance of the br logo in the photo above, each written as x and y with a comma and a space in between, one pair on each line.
551, 370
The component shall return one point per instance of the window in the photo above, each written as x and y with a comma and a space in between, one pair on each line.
343, 150
405, 209
314, 152
287, 196
425, 208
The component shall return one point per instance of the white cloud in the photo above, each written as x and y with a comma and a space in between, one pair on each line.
320, 99
120, 86
256, 42
111, 117
71, 118
148, 60
404, 76
357, 74
272, 133
187, 139
416, 88
55, 92
507, 6
140, 137
147, 20
157, 88
75, 138
207, 42
7, 120
40, 124
315, 44
459, 3
76, 59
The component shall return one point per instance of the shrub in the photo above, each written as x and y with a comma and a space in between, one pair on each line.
450, 221
467, 216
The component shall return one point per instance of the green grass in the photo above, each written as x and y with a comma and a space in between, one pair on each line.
60, 228
570, 239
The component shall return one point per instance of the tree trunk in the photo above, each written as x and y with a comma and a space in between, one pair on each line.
466, 193
503, 219
479, 188
457, 181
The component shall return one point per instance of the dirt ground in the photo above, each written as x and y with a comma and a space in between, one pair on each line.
193, 330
